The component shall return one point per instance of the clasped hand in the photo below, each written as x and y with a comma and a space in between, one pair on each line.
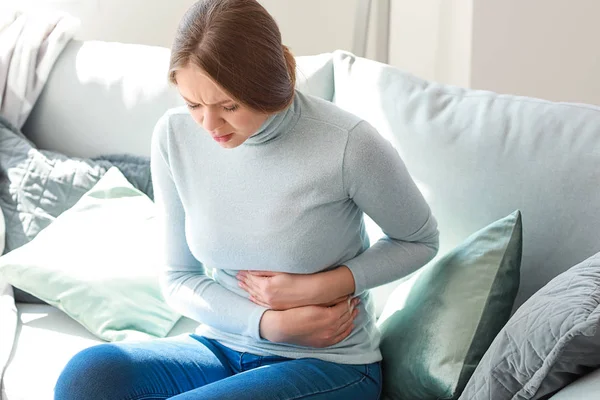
300, 312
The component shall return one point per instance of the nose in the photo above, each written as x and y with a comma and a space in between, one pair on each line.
211, 120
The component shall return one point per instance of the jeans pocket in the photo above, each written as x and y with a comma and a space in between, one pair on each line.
373, 372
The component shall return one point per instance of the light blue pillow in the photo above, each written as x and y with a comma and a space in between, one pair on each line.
437, 324
97, 263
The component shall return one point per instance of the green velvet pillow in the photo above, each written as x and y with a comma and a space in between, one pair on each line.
437, 325
97, 263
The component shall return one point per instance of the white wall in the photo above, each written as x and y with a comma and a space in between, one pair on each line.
414, 32
130, 21
542, 48
539, 48
307, 26
314, 26
454, 49
432, 39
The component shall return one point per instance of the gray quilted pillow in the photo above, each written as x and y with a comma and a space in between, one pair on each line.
36, 186
550, 341
135, 168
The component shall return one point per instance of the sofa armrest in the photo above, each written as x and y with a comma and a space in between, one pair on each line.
586, 388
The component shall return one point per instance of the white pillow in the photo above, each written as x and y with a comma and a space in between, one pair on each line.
8, 312
2, 232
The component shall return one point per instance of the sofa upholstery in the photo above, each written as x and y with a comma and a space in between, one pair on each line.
475, 155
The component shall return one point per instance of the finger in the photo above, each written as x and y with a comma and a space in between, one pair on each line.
241, 275
346, 306
255, 296
263, 273
341, 313
349, 316
342, 335
336, 301
351, 313
260, 303
248, 289
345, 324
252, 282
344, 303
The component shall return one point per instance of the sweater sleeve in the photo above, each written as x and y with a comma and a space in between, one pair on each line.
185, 285
377, 180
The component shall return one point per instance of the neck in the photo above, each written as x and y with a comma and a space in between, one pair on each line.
275, 125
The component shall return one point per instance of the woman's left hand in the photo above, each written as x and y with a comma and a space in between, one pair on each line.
276, 290
280, 290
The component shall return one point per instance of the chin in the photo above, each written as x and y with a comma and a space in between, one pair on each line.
232, 144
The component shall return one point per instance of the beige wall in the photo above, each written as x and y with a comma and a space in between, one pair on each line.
414, 31
538, 48
454, 47
542, 48
307, 26
432, 39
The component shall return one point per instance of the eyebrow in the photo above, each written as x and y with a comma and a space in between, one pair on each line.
215, 104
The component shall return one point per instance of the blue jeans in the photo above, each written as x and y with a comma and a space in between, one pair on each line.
193, 367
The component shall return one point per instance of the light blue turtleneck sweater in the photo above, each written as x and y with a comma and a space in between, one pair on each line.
290, 199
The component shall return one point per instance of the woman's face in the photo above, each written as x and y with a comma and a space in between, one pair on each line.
228, 122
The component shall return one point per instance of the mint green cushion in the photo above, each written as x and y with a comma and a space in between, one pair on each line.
437, 324
97, 263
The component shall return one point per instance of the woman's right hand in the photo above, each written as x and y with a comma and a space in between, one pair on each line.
310, 326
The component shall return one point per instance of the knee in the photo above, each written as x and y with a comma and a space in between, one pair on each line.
94, 373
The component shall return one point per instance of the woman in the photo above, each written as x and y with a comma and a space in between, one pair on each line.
267, 187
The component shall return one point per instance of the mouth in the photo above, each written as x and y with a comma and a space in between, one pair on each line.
223, 138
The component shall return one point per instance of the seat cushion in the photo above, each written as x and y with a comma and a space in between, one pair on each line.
46, 339
586, 388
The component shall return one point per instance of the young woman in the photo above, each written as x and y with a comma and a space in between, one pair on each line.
266, 187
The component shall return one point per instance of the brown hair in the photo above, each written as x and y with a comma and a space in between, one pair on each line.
238, 44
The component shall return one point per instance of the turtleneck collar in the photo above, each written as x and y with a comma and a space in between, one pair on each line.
276, 125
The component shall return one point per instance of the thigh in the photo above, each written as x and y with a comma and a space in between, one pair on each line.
296, 379
156, 369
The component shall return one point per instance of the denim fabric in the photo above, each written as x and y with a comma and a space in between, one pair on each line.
193, 367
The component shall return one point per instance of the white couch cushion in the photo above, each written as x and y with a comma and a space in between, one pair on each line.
46, 340
8, 311
8, 323
586, 388
105, 98
2, 232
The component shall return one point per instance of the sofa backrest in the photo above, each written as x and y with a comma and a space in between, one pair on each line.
105, 98
102, 98
477, 156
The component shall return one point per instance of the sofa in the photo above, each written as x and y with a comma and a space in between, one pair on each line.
475, 155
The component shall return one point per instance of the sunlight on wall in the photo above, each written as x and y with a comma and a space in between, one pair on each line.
117, 65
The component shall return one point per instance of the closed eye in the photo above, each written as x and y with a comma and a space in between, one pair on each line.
192, 106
